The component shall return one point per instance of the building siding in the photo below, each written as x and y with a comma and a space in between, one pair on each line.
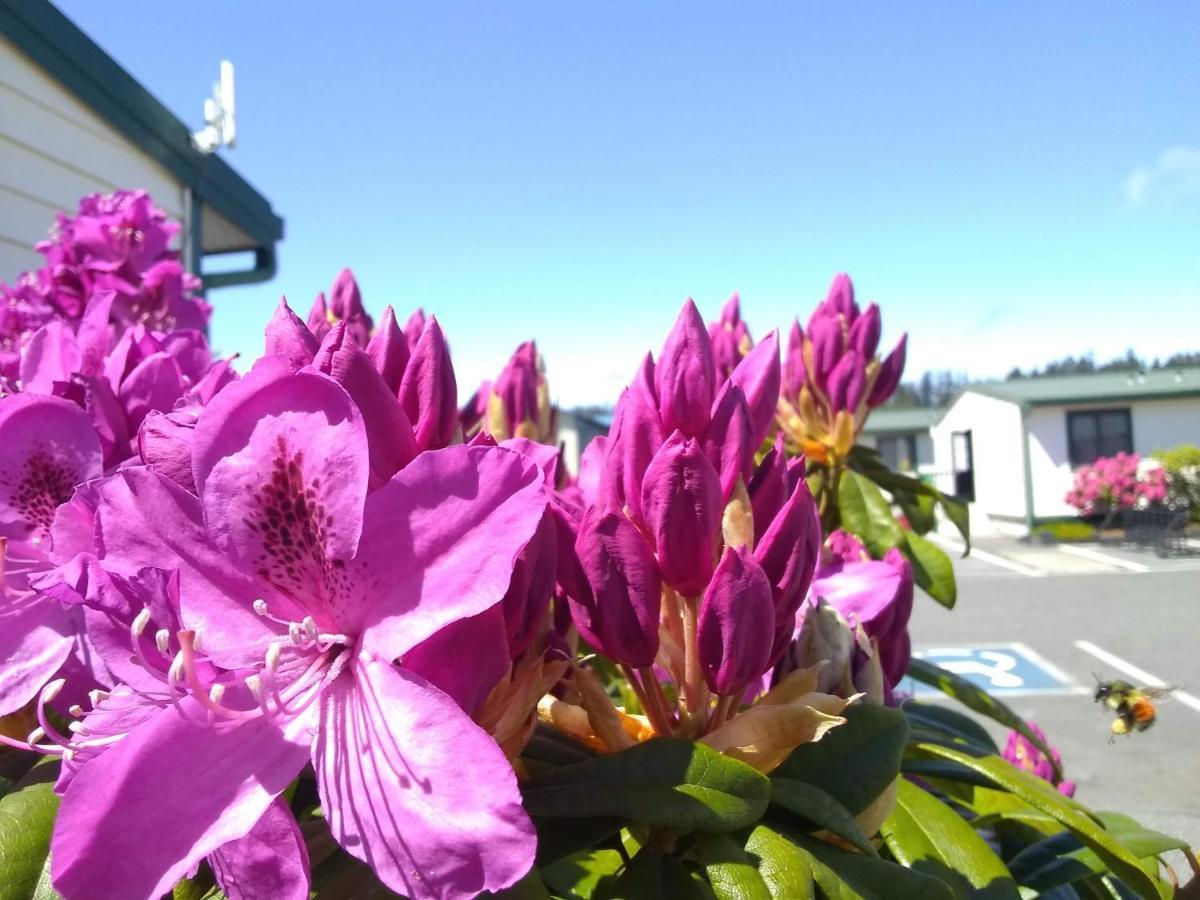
53, 150
995, 427
1156, 424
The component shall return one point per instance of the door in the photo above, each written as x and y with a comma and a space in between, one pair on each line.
963, 454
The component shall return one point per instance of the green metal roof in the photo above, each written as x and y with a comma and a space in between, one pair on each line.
1095, 387
56, 44
900, 421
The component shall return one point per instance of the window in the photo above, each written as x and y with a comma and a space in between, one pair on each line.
899, 452
1094, 433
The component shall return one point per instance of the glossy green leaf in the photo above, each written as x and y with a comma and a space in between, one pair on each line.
1043, 796
818, 809
785, 868
979, 700
950, 721
559, 837
925, 834
671, 782
867, 513
842, 875
581, 876
650, 875
26, 821
854, 762
932, 570
731, 871
919, 510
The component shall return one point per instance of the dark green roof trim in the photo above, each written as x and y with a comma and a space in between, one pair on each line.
902, 421
56, 44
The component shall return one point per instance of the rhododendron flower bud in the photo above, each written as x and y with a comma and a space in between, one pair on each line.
843, 547
429, 392
825, 336
768, 487
890, 372
758, 375
736, 623
841, 297
730, 338
345, 305
528, 596
389, 432
847, 383
414, 327
863, 336
794, 372
682, 507
388, 351
287, 336
634, 438
685, 377
727, 441
788, 553
518, 403
319, 319
619, 616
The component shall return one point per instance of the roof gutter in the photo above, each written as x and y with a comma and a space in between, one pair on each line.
1027, 468
265, 266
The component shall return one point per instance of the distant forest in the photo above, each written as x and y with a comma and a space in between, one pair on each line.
937, 388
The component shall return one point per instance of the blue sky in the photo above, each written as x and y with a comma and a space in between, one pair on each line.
1010, 182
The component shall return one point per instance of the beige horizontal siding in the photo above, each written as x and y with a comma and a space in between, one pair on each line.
53, 150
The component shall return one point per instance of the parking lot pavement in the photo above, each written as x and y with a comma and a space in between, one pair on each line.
992, 555
1144, 621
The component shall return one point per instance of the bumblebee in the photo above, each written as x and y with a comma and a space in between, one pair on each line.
1134, 706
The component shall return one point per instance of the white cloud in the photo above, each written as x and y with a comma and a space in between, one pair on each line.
1176, 173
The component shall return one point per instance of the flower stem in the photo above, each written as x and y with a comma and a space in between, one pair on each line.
722, 713
658, 699
647, 705
694, 689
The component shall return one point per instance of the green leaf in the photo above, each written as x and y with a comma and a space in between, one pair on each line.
932, 570
672, 782
918, 509
927, 835
559, 837
853, 763
26, 822
873, 467
1043, 796
732, 873
652, 874
819, 810
580, 876
783, 867
867, 513
842, 875
951, 722
980, 701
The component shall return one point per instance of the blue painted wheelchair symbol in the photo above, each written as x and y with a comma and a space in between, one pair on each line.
1001, 669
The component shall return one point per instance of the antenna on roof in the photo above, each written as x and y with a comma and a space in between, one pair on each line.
220, 126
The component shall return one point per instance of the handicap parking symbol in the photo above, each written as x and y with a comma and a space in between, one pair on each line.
1001, 669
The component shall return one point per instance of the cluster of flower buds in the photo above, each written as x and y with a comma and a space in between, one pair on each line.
118, 243
517, 404
1024, 754
691, 561
345, 305
833, 377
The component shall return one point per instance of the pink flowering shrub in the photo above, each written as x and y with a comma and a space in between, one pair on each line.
319, 630
1123, 481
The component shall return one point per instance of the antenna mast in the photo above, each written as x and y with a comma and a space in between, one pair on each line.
220, 124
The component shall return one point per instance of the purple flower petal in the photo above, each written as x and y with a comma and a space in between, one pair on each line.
428, 827
36, 636
219, 779
269, 863
289, 337
429, 392
736, 627
685, 377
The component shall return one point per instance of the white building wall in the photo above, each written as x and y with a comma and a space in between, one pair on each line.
995, 427
1156, 424
54, 150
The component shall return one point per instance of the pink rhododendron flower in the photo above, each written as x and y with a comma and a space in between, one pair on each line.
298, 588
1024, 754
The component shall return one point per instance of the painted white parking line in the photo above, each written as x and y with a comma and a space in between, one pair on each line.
1136, 674
1097, 556
984, 556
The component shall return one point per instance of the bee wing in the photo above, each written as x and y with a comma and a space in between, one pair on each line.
1159, 693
